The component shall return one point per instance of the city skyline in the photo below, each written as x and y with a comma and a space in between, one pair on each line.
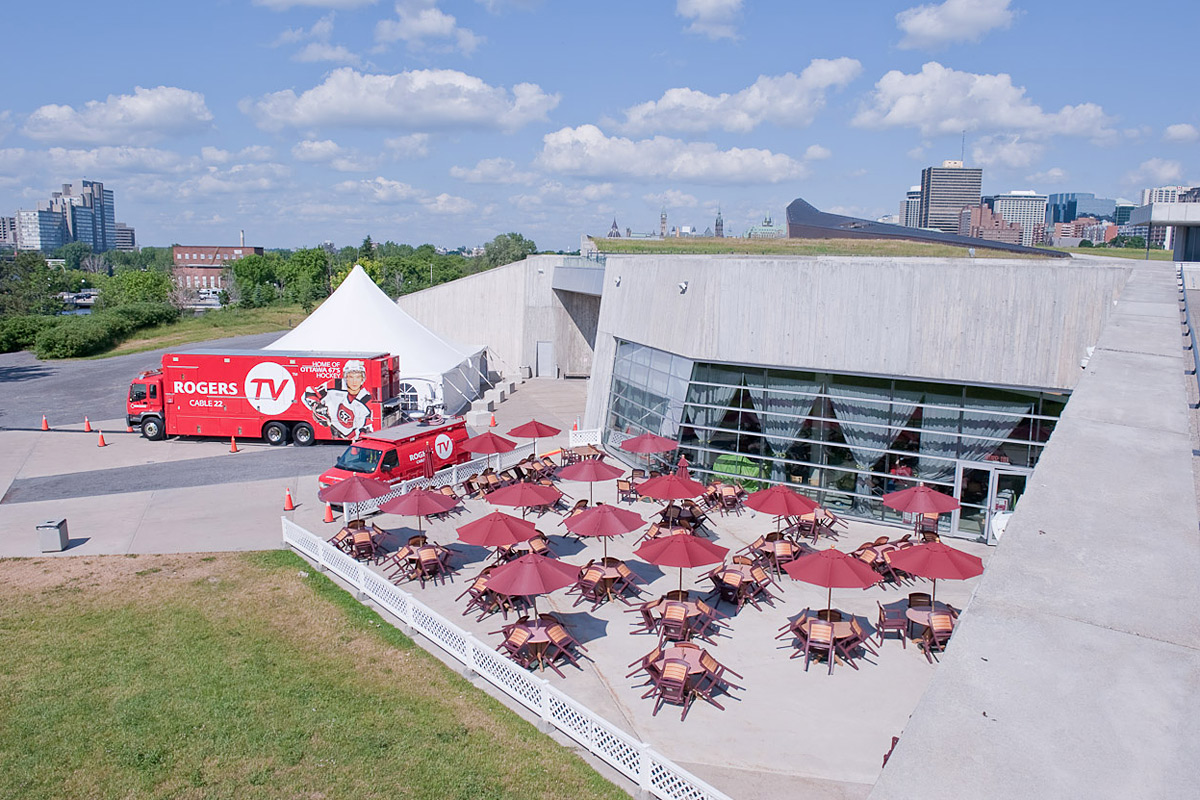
452, 122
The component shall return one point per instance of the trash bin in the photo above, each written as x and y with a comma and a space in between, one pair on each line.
52, 535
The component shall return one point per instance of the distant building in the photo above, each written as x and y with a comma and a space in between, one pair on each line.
1025, 208
1101, 232
662, 223
614, 232
980, 222
719, 225
88, 213
1121, 211
767, 229
8, 230
1160, 237
41, 229
1070, 206
200, 266
910, 208
945, 191
126, 238
1163, 194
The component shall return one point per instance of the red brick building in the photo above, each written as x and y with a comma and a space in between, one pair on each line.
200, 266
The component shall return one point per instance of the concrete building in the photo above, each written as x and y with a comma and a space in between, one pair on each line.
126, 238
910, 208
1069, 206
200, 266
767, 229
40, 229
1183, 219
982, 223
88, 213
945, 191
1025, 208
8, 230
1163, 194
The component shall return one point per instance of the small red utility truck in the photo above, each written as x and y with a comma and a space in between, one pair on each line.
276, 395
399, 453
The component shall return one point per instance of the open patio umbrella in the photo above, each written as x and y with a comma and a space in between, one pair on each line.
935, 560
497, 529
419, 503
832, 569
781, 501
531, 575
352, 491
920, 500
648, 443
488, 443
604, 521
676, 485
524, 495
684, 550
590, 470
534, 430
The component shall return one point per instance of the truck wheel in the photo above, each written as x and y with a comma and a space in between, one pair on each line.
303, 434
276, 433
152, 428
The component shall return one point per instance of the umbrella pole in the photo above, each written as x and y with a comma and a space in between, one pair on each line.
681, 579
933, 597
829, 603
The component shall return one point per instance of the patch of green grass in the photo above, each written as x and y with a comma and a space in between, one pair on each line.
217, 324
244, 673
1118, 252
794, 247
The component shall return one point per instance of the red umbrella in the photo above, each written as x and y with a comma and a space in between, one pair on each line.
531, 575
604, 521
419, 503
488, 443
684, 550
524, 495
497, 529
648, 443
833, 569
534, 430
355, 489
781, 501
920, 500
672, 486
590, 470
935, 560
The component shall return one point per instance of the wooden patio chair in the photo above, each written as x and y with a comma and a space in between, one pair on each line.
471, 486
343, 540
937, 634
627, 492
649, 623
708, 622
431, 565
892, 619
889, 571
561, 644
637, 474
482, 599
627, 579
846, 646
647, 664
674, 625
819, 641
729, 588
672, 686
785, 552
579, 507
540, 545
515, 645
730, 502
715, 672
590, 587
759, 588
363, 544
920, 600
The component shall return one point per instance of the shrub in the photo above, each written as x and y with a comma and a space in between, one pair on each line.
19, 332
73, 337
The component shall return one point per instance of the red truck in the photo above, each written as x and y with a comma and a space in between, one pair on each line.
399, 453
276, 395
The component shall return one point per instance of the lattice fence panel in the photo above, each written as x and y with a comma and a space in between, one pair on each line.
509, 676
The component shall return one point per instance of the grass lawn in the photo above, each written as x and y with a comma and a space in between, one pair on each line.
794, 247
234, 675
1119, 252
210, 325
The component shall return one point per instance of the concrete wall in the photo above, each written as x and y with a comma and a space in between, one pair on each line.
576, 318
993, 321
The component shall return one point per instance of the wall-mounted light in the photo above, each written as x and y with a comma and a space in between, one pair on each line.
617, 280
541, 271
683, 286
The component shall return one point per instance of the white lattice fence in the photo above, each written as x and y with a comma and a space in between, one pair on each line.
580, 438
636, 760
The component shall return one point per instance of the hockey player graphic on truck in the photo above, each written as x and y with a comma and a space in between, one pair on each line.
341, 404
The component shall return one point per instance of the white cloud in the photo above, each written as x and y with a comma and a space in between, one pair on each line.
789, 99
281, 5
321, 30
1052, 175
142, 117
323, 51
716, 19
672, 198
447, 204
256, 152
816, 152
236, 180
553, 194
421, 21
1007, 150
932, 26
414, 145
433, 98
382, 190
493, 170
587, 151
1155, 172
940, 100
215, 155
6, 125
310, 150
126, 160
1181, 132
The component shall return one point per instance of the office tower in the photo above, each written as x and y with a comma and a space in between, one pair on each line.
1025, 208
126, 238
910, 208
8, 230
1162, 194
1070, 206
97, 226
947, 190
41, 229
1121, 211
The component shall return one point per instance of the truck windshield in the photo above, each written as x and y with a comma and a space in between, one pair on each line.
359, 459
137, 392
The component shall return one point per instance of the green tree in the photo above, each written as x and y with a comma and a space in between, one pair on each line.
29, 286
135, 286
304, 276
256, 277
1135, 242
1085, 243
73, 253
367, 248
505, 249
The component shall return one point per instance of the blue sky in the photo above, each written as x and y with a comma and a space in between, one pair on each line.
450, 122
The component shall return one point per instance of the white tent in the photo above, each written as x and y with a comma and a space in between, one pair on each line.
359, 317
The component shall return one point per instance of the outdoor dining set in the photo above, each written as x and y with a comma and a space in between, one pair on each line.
523, 564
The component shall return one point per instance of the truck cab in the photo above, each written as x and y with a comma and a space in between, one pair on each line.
144, 406
399, 453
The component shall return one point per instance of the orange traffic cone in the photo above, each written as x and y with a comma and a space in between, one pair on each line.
288, 505
45, 423
492, 424
100, 442
232, 445
575, 424
128, 428
328, 512
87, 425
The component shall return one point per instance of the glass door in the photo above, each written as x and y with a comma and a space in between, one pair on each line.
988, 492
1008, 484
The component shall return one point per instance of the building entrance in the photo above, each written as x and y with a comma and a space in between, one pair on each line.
989, 492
